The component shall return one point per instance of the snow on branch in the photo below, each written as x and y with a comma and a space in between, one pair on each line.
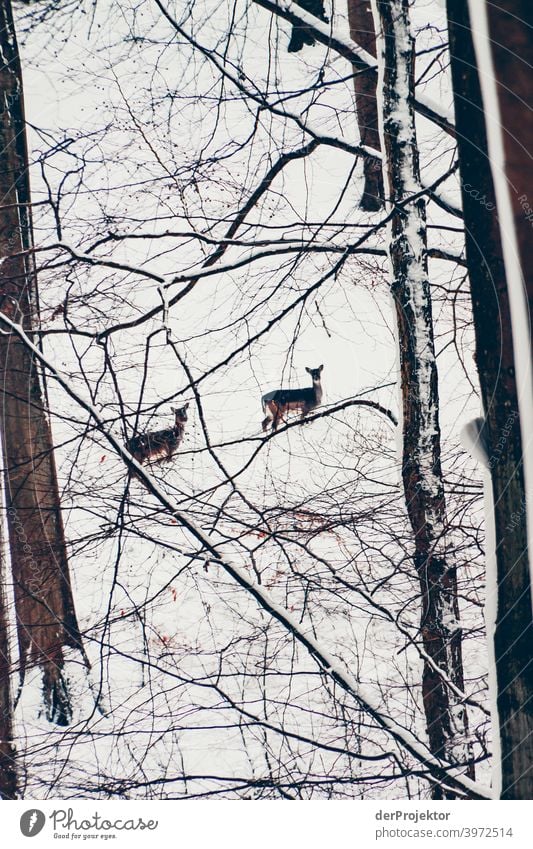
344, 46
446, 774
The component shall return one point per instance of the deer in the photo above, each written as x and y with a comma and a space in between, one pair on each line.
159, 444
279, 402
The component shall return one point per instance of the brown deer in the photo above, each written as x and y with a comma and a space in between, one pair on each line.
159, 444
279, 402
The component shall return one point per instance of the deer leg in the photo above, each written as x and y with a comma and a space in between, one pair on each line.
278, 415
271, 412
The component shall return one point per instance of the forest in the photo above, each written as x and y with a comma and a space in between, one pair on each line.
266, 280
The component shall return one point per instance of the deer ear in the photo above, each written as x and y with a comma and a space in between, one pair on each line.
308, 370
320, 368
185, 405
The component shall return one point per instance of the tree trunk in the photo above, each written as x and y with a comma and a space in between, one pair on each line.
8, 775
511, 28
46, 620
513, 636
421, 466
362, 31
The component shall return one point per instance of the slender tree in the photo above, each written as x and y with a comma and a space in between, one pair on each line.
8, 775
46, 621
421, 461
363, 33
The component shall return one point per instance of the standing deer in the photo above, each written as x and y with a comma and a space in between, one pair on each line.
160, 444
277, 403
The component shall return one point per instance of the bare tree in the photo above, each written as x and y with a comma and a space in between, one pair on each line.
501, 436
421, 464
46, 620
365, 81
250, 605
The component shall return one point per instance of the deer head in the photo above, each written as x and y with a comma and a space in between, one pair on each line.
180, 413
315, 373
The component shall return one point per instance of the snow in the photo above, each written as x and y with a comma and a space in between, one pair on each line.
410, 276
165, 624
329, 664
326, 30
398, 121
349, 49
473, 440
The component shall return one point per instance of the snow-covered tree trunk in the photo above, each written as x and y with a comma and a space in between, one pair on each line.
46, 620
421, 466
363, 33
495, 355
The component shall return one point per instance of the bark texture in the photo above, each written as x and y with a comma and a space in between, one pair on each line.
362, 31
421, 465
495, 361
8, 775
46, 620
511, 31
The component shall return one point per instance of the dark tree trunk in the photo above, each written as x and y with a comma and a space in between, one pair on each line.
362, 31
511, 30
513, 636
421, 466
46, 620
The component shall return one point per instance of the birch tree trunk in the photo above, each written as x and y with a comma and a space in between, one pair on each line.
46, 620
513, 635
362, 31
421, 465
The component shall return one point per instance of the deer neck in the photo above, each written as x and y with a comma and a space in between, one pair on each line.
317, 388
